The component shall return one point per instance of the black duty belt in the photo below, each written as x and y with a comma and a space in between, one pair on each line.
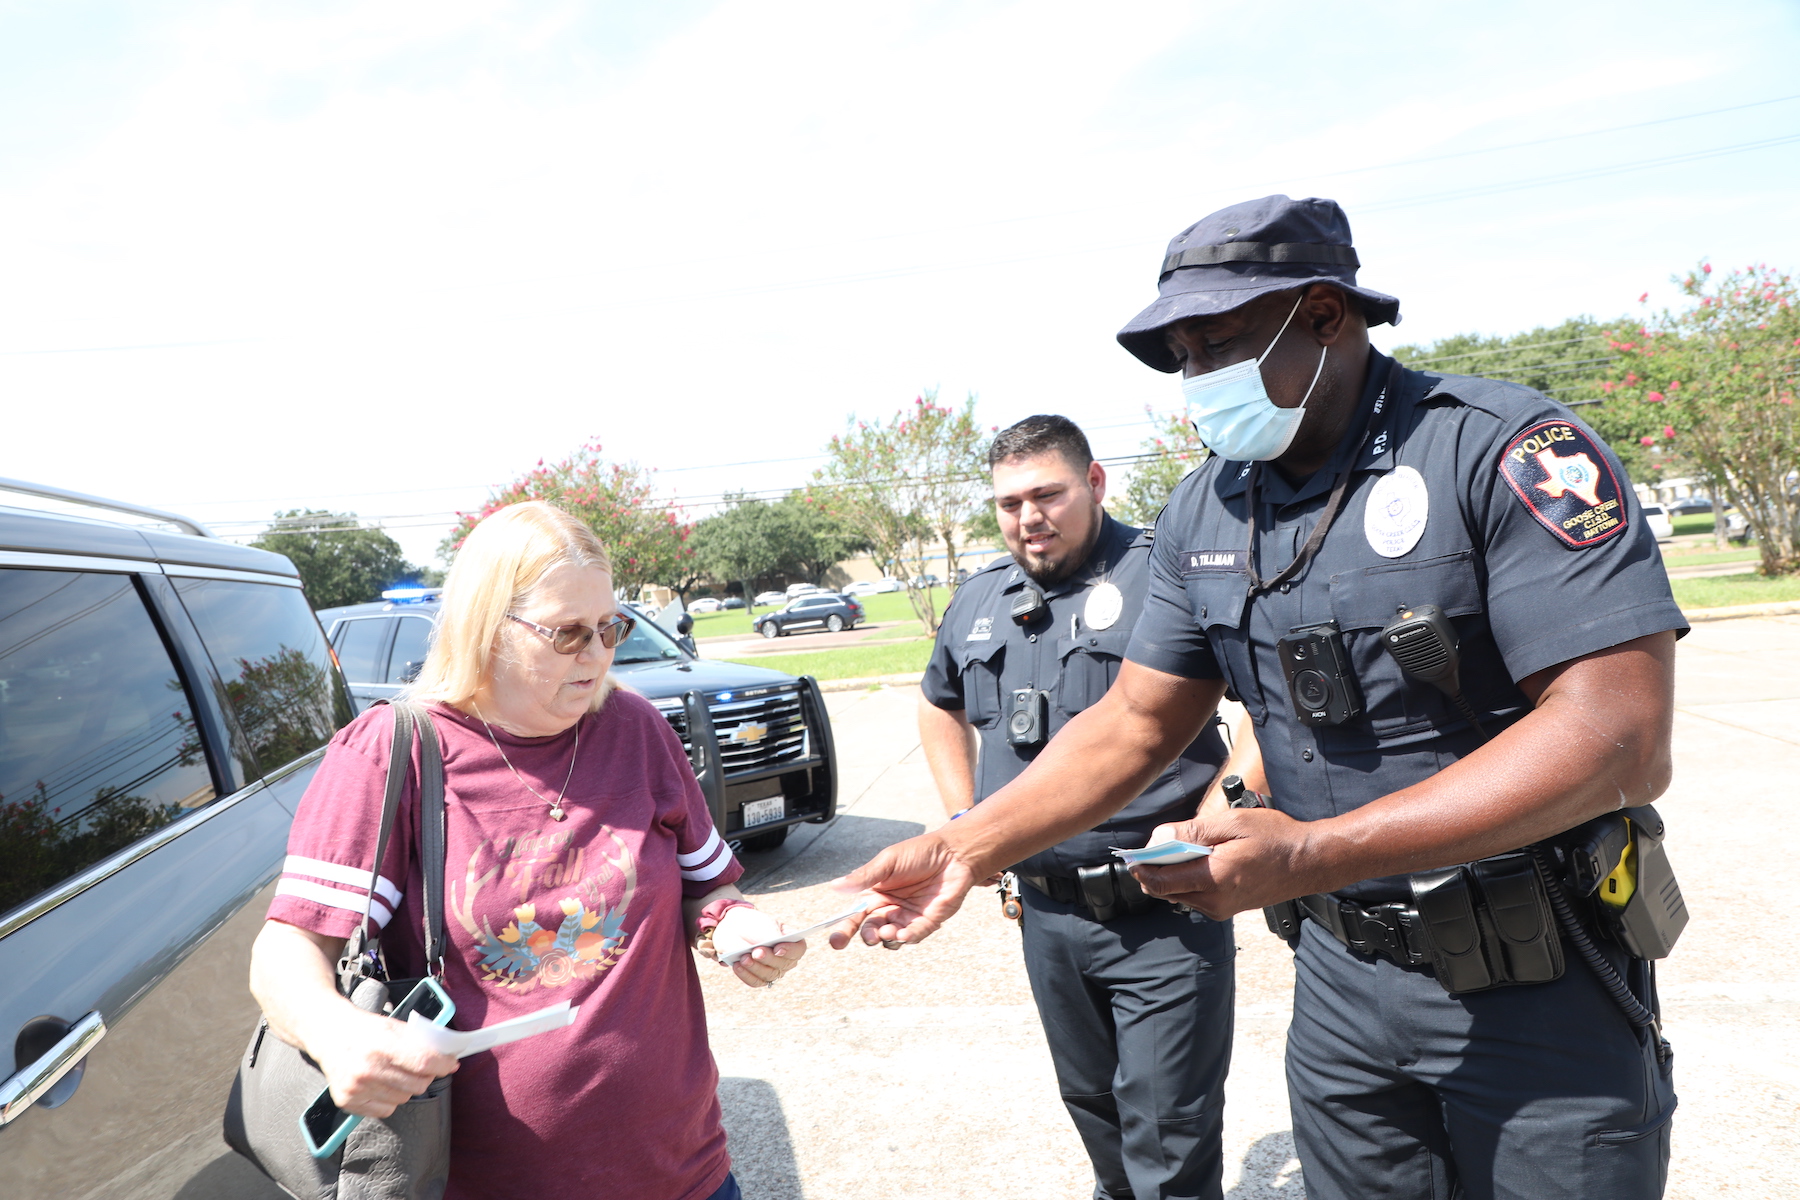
1106, 891
1390, 930
1483, 924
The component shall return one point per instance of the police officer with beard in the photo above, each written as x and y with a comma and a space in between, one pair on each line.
1448, 620
1135, 994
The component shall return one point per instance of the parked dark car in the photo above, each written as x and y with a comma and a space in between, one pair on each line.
732, 602
164, 700
815, 610
759, 740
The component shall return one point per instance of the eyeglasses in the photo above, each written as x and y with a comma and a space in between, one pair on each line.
573, 639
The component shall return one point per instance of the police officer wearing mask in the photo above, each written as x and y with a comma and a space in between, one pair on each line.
1449, 622
1135, 995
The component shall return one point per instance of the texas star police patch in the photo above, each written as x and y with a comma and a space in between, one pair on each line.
1562, 476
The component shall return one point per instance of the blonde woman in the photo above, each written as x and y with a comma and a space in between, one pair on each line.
582, 864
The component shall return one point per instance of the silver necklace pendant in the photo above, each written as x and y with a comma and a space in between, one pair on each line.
556, 808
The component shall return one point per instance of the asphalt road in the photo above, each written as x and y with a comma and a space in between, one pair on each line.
871, 1074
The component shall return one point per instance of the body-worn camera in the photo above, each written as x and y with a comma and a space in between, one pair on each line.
1028, 719
1319, 679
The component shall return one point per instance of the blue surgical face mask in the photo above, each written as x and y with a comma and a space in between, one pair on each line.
1233, 413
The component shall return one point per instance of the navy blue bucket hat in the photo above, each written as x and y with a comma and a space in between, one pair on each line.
1239, 253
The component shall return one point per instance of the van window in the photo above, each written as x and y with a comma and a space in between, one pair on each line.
358, 643
271, 658
97, 739
411, 641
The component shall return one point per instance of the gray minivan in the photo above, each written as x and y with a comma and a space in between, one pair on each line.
164, 700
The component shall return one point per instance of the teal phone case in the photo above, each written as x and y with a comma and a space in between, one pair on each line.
349, 1121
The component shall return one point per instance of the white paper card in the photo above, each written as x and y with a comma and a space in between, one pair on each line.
451, 1041
1163, 854
798, 935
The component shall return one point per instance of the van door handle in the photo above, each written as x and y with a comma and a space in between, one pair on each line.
30, 1083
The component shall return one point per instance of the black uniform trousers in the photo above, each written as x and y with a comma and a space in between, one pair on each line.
1137, 1012
1540, 1092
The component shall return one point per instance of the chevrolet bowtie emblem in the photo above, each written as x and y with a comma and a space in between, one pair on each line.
748, 735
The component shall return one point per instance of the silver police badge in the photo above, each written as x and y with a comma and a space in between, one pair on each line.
1394, 517
1105, 604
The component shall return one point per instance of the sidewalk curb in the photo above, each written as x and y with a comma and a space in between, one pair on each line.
872, 681
1780, 608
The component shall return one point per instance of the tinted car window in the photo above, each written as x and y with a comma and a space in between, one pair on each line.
357, 643
97, 740
647, 643
411, 641
278, 678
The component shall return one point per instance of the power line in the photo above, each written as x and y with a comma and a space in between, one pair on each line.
1576, 176
1561, 137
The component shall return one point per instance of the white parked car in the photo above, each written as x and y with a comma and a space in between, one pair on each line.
801, 589
705, 604
769, 599
1657, 517
870, 587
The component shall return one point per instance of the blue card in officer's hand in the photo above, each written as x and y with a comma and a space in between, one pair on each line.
1163, 854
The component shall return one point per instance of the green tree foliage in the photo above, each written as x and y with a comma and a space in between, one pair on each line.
1164, 459
740, 543
909, 485
646, 537
1715, 381
811, 539
1568, 362
339, 561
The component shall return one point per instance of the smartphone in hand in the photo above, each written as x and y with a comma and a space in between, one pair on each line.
324, 1126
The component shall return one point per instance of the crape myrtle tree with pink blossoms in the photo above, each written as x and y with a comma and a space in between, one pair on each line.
1713, 382
646, 536
910, 486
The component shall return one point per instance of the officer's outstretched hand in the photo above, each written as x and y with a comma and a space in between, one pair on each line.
918, 885
1259, 858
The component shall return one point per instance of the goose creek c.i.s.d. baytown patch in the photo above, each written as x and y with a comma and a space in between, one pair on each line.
1562, 477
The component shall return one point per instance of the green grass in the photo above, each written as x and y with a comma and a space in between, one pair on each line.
888, 606
1692, 523
851, 662
1723, 591
1707, 557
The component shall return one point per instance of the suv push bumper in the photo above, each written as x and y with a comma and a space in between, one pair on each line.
729, 778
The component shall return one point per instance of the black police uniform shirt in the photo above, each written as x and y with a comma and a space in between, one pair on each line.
1486, 499
982, 657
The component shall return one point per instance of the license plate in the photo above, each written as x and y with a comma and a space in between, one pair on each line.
761, 812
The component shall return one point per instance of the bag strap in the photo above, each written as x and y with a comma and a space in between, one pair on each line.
432, 845
363, 945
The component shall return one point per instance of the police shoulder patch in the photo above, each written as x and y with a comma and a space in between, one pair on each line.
1562, 477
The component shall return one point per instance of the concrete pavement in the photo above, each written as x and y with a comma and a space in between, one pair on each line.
922, 1073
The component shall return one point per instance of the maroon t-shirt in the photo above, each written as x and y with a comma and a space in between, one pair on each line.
623, 1103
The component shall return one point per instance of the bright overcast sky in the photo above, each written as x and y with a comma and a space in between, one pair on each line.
379, 256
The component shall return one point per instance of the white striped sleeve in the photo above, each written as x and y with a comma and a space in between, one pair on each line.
708, 862
356, 877
331, 897
706, 851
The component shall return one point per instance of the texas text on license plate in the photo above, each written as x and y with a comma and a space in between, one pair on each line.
761, 812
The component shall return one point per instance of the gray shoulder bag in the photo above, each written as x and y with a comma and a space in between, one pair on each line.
407, 1156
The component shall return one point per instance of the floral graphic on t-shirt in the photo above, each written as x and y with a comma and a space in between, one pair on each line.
536, 946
